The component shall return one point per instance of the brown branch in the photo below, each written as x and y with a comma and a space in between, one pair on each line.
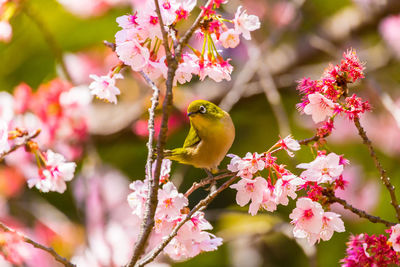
315, 138
385, 179
207, 181
152, 198
375, 219
200, 206
49, 250
18, 145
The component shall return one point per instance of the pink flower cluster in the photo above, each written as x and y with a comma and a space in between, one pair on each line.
265, 193
88, 8
322, 98
140, 43
370, 250
58, 111
11, 249
309, 218
192, 237
312, 222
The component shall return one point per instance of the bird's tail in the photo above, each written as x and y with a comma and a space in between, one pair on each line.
174, 154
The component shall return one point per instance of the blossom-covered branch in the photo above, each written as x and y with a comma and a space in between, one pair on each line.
385, 179
20, 144
200, 206
49, 250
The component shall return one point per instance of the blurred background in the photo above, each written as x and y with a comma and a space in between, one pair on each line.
90, 222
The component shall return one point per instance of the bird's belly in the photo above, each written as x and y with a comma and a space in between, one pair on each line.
210, 152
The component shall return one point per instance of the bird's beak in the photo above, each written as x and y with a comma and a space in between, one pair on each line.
192, 113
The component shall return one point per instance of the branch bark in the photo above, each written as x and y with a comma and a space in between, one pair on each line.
385, 179
374, 219
49, 250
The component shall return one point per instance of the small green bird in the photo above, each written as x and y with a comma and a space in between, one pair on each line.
210, 136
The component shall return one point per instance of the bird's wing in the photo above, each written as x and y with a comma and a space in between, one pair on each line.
192, 139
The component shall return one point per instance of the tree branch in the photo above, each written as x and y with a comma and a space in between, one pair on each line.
375, 219
152, 198
206, 181
16, 146
200, 206
385, 179
49, 250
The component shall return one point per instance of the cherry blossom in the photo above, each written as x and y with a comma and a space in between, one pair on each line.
4, 146
229, 39
245, 23
250, 190
289, 144
287, 186
394, 239
133, 54
170, 202
323, 169
331, 223
104, 87
246, 167
319, 107
389, 29
307, 217
54, 174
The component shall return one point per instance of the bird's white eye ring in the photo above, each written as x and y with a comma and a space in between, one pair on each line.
202, 109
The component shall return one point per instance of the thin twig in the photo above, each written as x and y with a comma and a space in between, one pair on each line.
207, 181
385, 179
375, 219
49, 38
49, 250
20, 144
200, 206
315, 138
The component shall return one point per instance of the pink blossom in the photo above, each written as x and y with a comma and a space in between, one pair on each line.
137, 199
54, 175
247, 166
127, 21
229, 39
4, 146
133, 54
289, 144
390, 31
319, 107
6, 107
331, 223
394, 239
323, 169
187, 68
245, 23
307, 217
286, 186
104, 87
170, 201
5, 31
250, 190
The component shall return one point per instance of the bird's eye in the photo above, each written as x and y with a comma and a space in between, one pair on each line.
202, 109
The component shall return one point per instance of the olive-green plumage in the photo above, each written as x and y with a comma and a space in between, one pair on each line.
210, 136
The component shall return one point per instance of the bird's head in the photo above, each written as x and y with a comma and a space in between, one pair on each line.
200, 110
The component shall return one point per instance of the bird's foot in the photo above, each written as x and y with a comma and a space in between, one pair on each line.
213, 183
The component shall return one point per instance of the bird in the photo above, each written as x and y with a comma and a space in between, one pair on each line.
210, 136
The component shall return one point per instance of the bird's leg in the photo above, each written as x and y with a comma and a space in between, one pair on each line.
213, 182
